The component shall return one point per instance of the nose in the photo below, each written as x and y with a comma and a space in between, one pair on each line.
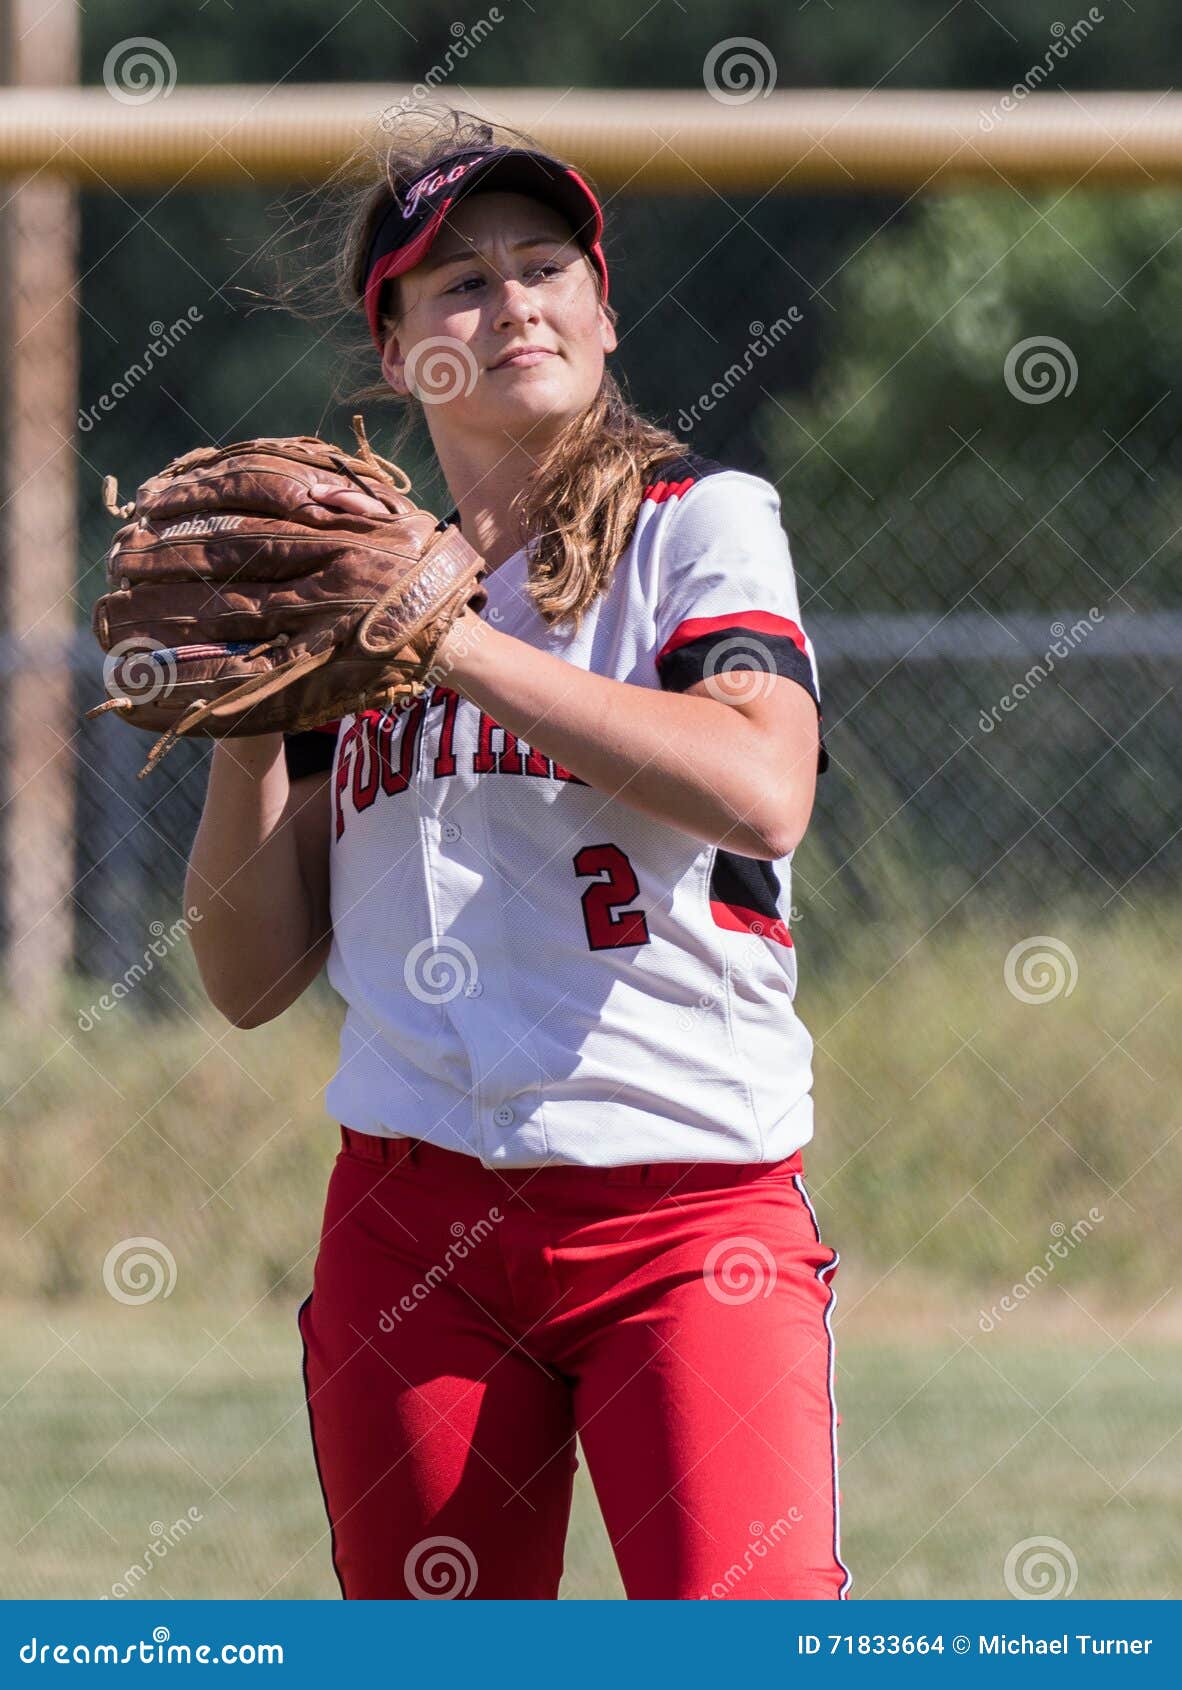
516, 304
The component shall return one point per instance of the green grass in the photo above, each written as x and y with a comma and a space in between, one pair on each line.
982, 1120
952, 1452
959, 1134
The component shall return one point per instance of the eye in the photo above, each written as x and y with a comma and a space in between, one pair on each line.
549, 268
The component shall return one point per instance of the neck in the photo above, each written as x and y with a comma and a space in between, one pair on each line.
484, 475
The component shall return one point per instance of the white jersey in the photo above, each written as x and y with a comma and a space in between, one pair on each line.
535, 972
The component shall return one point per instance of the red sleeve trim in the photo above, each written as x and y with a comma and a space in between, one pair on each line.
658, 491
754, 621
741, 920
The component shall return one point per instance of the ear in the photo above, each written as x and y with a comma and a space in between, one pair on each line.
393, 365
607, 331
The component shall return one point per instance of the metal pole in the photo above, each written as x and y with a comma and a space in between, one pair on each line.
38, 554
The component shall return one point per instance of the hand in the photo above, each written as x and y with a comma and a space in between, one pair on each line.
351, 500
459, 644
460, 651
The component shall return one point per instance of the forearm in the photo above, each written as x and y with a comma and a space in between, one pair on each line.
691, 762
253, 935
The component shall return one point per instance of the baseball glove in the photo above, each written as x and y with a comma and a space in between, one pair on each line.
239, 604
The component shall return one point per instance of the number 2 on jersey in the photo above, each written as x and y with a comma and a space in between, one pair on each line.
608, 924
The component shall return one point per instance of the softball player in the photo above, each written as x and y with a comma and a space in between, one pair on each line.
554, 895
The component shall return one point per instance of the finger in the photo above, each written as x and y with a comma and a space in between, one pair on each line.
346, 499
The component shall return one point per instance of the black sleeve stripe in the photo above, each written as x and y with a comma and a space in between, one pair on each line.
681, 668
308, 753
746, 883
687, 664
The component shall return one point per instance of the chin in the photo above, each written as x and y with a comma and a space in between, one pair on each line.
533, 405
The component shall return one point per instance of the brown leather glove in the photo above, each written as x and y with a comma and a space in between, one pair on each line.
239, 604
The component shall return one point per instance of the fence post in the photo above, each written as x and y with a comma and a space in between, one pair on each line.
38, 537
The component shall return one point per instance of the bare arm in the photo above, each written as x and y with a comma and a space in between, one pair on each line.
732, 761
258, 878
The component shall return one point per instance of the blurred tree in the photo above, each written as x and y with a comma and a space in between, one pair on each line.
997, 385
624, 43
151, 257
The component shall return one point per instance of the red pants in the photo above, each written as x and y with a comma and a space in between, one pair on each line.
465, 1323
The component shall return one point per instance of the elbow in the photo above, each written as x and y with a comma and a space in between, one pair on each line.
772, 846
241, 1010
779, 835
252, 1003
764, 845
245, 1019
241, 1015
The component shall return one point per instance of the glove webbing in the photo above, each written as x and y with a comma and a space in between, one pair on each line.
254, 689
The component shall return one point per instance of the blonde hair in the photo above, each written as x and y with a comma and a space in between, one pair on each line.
578, 507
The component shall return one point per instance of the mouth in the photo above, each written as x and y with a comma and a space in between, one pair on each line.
523, 359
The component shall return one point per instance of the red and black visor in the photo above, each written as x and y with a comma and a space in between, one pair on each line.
411, 222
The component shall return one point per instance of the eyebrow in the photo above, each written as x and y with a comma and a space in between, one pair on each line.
437, 260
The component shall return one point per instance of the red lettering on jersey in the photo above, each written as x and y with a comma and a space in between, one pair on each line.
346, 754
397, 780
365, 762
445, 757
365, 757
509, 760
486, 761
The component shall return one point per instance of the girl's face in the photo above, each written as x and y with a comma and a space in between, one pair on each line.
504, 273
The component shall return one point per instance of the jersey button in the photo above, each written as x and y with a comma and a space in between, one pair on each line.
503, 1116
450, 832
473, 989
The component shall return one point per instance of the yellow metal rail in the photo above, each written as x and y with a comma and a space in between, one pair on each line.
656, 140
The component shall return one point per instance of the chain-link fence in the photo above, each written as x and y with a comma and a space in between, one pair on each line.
990, 579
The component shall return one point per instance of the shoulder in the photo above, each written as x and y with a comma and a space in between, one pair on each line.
673, 477
690, 487
699, 514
